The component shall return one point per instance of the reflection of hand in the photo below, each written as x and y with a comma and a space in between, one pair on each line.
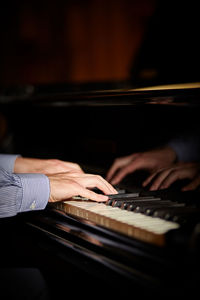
150, 161
163, 178
44, 166
66, 185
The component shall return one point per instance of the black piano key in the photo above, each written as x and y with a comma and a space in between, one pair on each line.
151, 210
178, 196
151, 205
170, 212
121, 203
120, 191
109, 202
123, 196
186, 217
183, 214
165, 194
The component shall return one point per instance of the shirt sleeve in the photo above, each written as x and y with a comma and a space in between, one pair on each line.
22, 192
187, 148
7, 162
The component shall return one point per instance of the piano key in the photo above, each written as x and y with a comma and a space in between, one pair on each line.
135, 225
137, 201
151, 210
150, 203
120, 191
109, 202
123, 196
168, 213
180, 214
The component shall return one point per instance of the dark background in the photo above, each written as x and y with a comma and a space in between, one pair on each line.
62, 46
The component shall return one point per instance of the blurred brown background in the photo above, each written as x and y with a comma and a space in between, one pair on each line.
47, 42
74, 41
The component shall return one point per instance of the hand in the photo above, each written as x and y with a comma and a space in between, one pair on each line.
44, 166
66, 185
149, 161
164, 178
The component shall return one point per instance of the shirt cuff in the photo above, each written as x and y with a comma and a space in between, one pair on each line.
7, 161
36, 191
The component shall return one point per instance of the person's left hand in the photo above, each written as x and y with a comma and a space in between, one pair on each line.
44, 166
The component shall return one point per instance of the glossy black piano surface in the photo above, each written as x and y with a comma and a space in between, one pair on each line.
68, 249
108, 124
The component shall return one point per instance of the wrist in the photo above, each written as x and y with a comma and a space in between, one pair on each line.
23, 165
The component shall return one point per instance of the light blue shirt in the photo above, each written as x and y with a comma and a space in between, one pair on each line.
20, 192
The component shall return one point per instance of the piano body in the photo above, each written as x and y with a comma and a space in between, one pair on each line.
141, 242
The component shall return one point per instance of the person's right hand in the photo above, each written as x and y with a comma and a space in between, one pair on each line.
150, 161
63, 186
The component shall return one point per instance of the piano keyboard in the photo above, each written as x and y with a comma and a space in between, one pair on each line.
136, 225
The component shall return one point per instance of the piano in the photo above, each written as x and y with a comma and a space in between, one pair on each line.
137, 243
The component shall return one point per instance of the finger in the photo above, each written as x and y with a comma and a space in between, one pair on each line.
132, 167
192, 185
120, 163
149, 179
111, 189
91, 181
97, 181
112, 170
175, 175
121, 174
159, 179
92, 195
105, 189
